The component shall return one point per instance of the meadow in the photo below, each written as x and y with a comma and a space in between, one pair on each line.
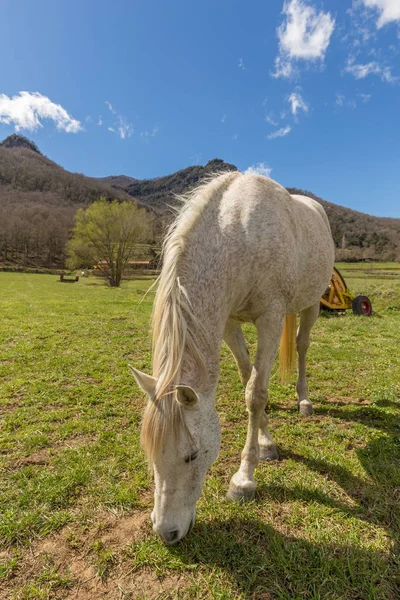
76, 492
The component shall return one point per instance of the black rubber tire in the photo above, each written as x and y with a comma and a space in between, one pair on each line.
362, 306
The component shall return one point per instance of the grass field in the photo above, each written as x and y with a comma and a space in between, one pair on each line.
76, 495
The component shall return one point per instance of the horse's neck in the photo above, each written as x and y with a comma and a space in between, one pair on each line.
205, 291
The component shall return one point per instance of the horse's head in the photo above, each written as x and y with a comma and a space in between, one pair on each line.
189, 445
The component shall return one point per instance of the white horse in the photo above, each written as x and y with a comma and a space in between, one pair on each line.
241, 250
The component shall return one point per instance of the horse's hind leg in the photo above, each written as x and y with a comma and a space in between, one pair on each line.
269, 328
307, 320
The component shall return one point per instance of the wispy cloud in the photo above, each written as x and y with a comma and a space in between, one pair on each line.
235, 137
152, 133
347, 103
196, 158
364, 97
304, 35
297, 103
260, 168
241, 64
110, 107
361, 30
122, 126
340, 98
223, 118
26, 109
270, 119
388, 10
360, 71
100, 121
280, 132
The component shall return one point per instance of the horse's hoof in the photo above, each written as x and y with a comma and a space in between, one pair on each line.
239, 495
305, 408
268, 453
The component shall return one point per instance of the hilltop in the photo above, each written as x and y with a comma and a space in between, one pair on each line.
38, 201
160, 192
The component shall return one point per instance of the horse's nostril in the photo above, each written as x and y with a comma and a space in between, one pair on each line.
171, 536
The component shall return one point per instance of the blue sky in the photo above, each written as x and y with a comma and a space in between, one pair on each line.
304, 90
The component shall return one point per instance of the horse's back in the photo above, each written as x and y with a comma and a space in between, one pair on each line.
279, 246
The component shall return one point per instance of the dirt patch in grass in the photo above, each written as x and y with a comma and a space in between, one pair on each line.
72, 552
142, 584
344, 400
43, 456
75, 441
37, 458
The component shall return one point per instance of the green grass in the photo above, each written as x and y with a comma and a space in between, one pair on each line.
75, 492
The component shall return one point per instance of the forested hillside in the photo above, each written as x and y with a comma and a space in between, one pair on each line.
358, 235
158, 193
38, 201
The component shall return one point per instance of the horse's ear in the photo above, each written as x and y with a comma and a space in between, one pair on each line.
147, 383
186, 396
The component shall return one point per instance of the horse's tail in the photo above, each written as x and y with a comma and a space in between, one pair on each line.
287, 354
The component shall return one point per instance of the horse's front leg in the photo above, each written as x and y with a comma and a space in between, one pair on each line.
234, 338
242, 484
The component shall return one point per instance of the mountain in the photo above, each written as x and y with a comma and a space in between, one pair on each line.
19, 141
358, 235
118, 181
38, 201
159, 193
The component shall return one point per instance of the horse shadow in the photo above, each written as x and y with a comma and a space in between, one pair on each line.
264, 563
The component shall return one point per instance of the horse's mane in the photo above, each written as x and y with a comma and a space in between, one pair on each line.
176, 329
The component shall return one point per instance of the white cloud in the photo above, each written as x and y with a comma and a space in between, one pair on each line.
26, 110
280, 132
241, 64
152, 133
110, 107
270, 120
389, 10
283, 67
340, 98
360, 71
297, 103
350, 103
260, 168
100, 121
124, 128
235, 137
304, 35
223, 118
121, 126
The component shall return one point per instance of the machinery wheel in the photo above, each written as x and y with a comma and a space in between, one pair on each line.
362, 306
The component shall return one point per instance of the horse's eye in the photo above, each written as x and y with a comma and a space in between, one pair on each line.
192, 457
